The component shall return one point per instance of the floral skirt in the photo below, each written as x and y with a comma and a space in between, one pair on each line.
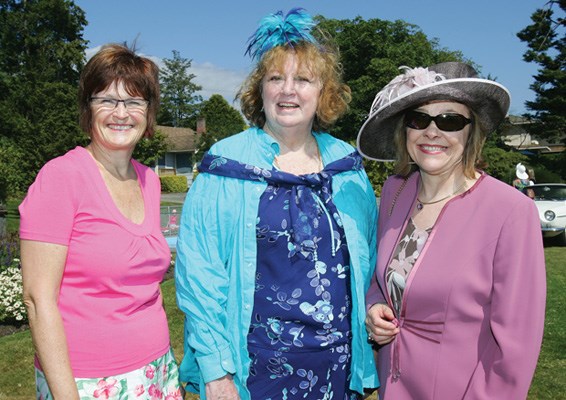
157, 380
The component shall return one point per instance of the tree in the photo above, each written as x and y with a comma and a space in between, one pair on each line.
546, 41
179, 103
371, 52
222, 120
41, 54
499, 160
148, 150
42, 39
11, 176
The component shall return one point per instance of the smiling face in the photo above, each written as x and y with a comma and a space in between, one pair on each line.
290, 96
117, 128
437, 152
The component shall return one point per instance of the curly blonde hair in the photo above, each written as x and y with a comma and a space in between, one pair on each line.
322, 62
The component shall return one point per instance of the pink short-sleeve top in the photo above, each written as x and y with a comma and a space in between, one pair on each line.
109, 299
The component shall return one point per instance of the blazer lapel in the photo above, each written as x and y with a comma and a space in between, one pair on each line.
393, 219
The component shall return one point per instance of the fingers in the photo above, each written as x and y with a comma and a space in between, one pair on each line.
381, 339
381, 316
387, 313
380, 334
381, 324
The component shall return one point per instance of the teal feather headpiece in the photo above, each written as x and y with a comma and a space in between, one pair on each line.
276, 30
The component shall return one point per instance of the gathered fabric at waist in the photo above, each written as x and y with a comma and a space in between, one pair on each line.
430, 331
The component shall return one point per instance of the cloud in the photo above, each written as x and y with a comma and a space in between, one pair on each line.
212, 79
216, 80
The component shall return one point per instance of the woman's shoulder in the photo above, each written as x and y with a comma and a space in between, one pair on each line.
65, 177
146, 173
331, 144
69, 164
499, 199
233, 145
396, 181
399, 191
500, 190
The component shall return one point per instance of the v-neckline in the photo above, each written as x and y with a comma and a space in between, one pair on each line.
142, 228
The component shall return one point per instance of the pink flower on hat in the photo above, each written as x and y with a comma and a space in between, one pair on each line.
401, 84
421, 76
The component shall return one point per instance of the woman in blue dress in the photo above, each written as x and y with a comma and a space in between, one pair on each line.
277, 236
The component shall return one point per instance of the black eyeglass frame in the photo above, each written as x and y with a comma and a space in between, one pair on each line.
125, 102
440, 121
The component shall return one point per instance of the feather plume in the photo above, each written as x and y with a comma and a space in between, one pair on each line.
401, 84
276, 30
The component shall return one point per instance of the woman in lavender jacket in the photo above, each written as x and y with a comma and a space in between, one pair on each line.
456, 307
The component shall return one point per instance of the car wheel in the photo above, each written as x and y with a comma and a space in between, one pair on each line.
561, 239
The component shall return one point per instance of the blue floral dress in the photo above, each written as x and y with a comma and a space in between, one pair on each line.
300, 334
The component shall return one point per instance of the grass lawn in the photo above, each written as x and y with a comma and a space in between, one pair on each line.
549, 379
13, 216
16, 364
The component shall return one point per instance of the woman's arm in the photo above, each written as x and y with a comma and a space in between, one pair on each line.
518, 301
202, 278
42, 269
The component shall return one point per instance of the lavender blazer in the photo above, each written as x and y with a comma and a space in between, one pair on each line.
472, 318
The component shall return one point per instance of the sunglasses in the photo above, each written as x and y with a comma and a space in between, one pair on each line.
447, 122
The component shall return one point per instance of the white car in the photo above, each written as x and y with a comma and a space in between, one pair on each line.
550, 199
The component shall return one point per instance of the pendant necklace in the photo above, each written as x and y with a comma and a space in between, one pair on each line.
421, 204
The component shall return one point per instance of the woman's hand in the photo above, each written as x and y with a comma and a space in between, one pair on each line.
381, 324
222, 389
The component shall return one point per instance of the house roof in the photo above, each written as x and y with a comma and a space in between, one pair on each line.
516, 134
179, 139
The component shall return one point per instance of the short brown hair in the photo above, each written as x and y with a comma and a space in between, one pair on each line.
323, 63
116, 63
472, 150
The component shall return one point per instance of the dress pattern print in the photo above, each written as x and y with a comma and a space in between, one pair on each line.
406, 254
158, 380
300, 334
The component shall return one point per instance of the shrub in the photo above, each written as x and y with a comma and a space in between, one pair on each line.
378, 172
12, 307
11, 293
543, 175
9, 249
174, 184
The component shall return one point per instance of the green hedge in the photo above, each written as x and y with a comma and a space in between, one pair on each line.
174, 184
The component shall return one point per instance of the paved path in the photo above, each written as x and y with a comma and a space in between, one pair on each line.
173, 197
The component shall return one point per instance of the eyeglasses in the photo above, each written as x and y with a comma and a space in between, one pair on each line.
108, 103
447, 122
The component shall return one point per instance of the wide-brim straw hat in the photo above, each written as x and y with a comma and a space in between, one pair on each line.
449, 81
521, 171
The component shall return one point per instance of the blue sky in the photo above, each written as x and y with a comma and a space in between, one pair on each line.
213, 33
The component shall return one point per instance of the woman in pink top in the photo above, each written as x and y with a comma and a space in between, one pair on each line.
456, 307
92, 250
